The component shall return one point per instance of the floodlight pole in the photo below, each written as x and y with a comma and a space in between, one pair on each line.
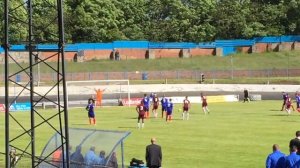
32, 113
6, 46
35, 96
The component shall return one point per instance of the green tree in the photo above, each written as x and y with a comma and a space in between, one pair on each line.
93, 20
292, 20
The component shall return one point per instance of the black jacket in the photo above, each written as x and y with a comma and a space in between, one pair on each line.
153, 155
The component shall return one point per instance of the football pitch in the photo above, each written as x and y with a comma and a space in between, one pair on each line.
232, 135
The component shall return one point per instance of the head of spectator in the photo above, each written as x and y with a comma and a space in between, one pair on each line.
275, 147
102, 154
294, 149
92, 148
298, 134
153, 140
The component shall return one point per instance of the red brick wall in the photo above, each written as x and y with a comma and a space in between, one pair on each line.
261, 47
166, 53
96, 54
201, 52
132, 53
68, 56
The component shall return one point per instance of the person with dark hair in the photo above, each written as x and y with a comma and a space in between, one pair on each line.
76, 158
186, 106
91, 112
117, 55
164, 102
146, 101
204, 104
140, 109
169, 111
113, 161
292, 160
102, 159
246, 95
295, 142
155, 105
285, 96
275, 159
153, 155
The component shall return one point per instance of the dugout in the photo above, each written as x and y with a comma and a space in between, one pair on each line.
111, 142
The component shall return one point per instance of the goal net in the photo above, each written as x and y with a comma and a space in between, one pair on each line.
111, 92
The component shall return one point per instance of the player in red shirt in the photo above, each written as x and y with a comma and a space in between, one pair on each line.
204, 104
140, 109
155, 105
186, 106
289, 105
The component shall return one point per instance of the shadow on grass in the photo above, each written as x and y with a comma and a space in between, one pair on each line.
275, 110
126, 127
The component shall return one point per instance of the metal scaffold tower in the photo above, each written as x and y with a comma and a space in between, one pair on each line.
27, 133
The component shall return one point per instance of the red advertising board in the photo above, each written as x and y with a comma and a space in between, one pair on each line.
133, 101
2, 108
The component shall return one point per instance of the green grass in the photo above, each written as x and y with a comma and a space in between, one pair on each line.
269, 60
232, 135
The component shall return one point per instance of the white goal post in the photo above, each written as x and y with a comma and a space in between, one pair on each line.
87, 88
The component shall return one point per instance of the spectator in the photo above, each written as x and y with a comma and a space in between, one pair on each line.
275, 159
295, 142
153, 155
117, 55
112, 161
91, 158
57, 156
76, 158
293, 160
102, 159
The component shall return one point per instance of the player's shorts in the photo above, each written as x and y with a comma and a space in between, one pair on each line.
141, 116
204, 104
146, 108
91, 115
169, 112
163, 108
155, 106
185, 108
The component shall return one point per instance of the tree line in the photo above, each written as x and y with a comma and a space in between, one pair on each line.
157, 20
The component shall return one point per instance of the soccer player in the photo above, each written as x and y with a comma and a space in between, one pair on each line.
146, 102
186, 107
289, 105
298, 100
91, 113
140, 109
169, 110
164, 102
99, 94
155, 105
204, 104
284, 97
246, 95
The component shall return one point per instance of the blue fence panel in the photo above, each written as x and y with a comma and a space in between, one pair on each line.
158, 45
94, 46
229, 50
276, 39
237, 43
71, 47
17, 48
207, 45
131, 44
1, 50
